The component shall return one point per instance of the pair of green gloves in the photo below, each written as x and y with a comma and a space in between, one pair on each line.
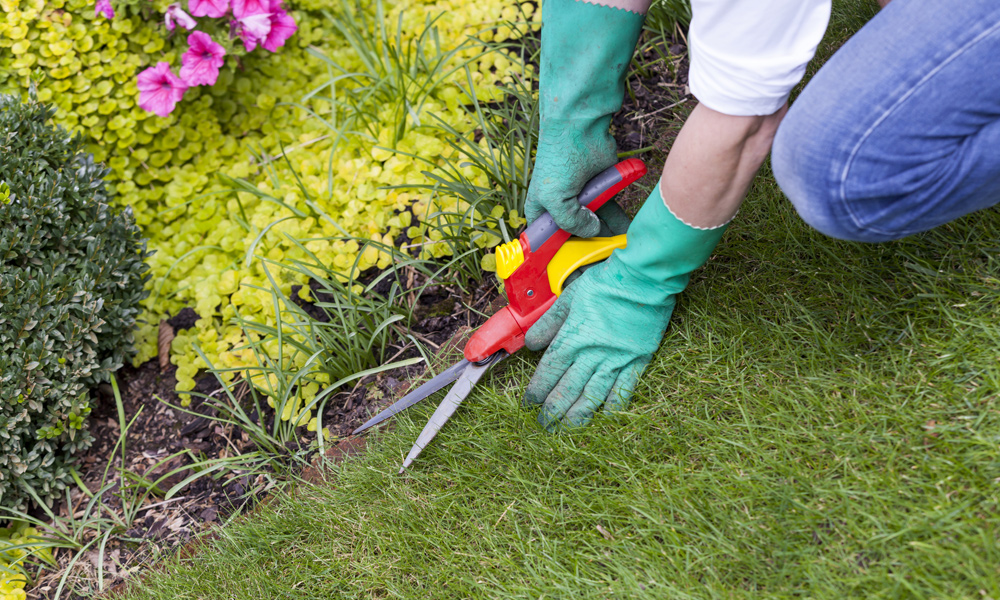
603, 330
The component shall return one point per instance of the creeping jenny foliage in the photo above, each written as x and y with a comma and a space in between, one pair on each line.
256, 124
15, 547
71, 279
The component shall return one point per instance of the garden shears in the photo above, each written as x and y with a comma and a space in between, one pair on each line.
534, 269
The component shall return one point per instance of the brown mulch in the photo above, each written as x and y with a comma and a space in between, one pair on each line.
655, 106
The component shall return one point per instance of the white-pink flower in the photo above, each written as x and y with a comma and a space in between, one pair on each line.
200, 64
243, 8
282, 27
103, 7
176, 14
253, 29
159, 89
208, 8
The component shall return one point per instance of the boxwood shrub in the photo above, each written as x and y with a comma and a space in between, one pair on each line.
72, 274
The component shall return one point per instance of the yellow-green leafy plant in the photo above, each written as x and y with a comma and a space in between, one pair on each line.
297, 364
491, 199
265, 124
71, 279
299, 359
19, 544
338, 183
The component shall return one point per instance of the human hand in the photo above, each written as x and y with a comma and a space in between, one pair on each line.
604, 328
601, 333
585, 54
570, 153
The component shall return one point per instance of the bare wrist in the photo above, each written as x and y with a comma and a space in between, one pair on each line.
712, 163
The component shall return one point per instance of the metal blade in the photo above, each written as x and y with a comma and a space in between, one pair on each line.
449, 405
443, 378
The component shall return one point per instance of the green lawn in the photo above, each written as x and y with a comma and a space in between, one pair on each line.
822, 421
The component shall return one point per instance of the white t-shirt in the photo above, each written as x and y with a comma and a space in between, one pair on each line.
747, 55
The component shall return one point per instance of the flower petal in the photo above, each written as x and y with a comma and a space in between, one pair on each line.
201, 62
254, 29
245, 8
103, 7
283, 26
208, 8
159, 89
176, 14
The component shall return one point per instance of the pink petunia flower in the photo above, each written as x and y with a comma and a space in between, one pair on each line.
282, 27
103, 7
176, 13
243, 8
253, 29
208, 8
159, 89
200, 64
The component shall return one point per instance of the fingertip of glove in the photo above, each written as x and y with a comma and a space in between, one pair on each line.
577, 219
548, 420
534, 341
531, 397
577, 420
621, 393
616, 403
530, 214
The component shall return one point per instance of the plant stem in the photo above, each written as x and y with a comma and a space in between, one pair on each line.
622, 155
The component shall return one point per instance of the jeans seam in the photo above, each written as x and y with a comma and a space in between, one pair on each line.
864, 137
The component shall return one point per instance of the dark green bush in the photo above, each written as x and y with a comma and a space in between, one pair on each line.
72, 274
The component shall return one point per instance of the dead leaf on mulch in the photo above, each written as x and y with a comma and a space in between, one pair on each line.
163, 339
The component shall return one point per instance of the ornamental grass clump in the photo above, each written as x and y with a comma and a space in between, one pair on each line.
72, 274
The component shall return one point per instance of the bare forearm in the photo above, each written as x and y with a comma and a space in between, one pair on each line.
712, 163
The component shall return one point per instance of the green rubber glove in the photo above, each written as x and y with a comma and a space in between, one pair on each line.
586, 50
603, 330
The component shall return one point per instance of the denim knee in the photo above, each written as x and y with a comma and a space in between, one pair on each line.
898, 132
802, 162
870, 195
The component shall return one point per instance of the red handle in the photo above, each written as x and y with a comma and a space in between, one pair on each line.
528, 291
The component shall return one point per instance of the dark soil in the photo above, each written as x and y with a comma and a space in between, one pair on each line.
655, 106
158, 428
657, 102
656, 99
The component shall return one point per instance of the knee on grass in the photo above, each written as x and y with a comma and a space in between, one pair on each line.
809, 161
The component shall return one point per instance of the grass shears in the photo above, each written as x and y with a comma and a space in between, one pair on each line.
534, 269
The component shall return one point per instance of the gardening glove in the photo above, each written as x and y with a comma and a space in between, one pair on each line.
586, 50
603, 330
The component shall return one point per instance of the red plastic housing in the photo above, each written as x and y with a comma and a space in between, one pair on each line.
528, 291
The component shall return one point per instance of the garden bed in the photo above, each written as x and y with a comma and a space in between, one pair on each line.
154, 444
820, 421
159, 427
443, 317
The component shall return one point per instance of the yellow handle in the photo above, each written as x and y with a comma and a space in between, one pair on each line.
577, 252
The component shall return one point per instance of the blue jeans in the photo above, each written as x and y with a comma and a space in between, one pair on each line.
899, 131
